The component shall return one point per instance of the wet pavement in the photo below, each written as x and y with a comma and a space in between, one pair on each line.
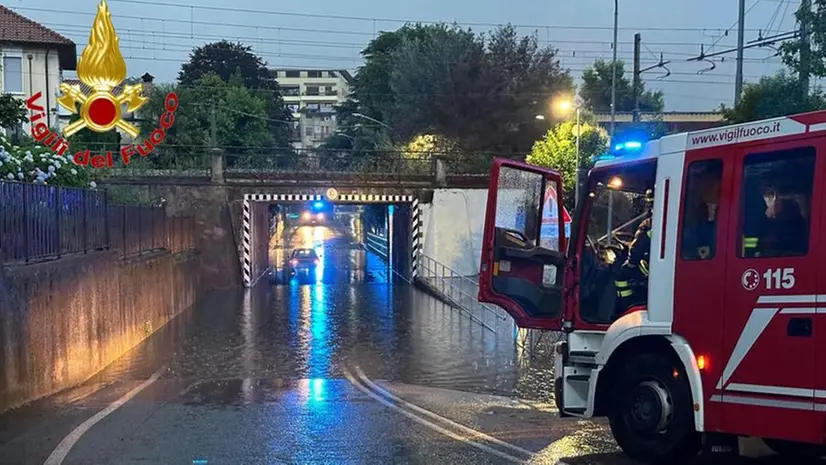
347, 363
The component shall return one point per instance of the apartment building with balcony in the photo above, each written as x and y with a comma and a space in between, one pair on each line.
312, 95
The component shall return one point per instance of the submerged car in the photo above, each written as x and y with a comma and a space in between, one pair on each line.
303, 261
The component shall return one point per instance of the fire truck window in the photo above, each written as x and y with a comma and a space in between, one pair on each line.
702, 198
775, 203
518, 201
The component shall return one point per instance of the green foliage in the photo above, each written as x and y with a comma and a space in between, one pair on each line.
790, 50
480, 91
234, 63
12, 112
241, 123
596, 90
38, 164
773, 96
557, 150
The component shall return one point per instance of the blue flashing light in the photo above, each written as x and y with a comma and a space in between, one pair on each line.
619, 146
634, 145
318, 205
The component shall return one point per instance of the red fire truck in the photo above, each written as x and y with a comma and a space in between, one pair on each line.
721, 342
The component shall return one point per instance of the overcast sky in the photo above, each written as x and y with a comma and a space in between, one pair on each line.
156, 36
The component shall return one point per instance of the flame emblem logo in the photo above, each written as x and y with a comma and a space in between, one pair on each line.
101, 67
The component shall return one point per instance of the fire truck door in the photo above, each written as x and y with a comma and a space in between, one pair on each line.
523, 244
767, 383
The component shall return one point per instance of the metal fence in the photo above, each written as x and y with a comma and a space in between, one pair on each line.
462, 291
41, 222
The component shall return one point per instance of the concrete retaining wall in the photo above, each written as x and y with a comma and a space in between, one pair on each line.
452, 226
63, 321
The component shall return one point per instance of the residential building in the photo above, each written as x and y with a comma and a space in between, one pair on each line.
33, 60
312, 95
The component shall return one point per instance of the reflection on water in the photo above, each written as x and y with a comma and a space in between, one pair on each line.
353, 313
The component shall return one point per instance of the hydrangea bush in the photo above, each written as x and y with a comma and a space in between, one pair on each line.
38, 164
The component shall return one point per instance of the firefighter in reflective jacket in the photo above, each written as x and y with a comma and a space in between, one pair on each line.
632, 278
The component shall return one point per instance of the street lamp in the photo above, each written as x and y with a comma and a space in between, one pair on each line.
565, 106
359, 115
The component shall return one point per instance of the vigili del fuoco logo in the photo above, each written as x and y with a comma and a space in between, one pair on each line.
102, 68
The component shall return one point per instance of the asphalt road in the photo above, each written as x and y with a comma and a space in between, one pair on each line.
346, 365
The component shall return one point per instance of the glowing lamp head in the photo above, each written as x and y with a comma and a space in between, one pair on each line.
318, 205
702, 363
615, 182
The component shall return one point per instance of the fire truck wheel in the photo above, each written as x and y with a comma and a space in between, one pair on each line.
795, 450
651, 413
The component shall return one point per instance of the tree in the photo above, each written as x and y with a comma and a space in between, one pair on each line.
482, 92
596, 90
240, 121
12, 112
226, 59
773, 96
557, 150
790, 50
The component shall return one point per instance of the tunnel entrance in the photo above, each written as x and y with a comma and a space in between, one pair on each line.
309, 238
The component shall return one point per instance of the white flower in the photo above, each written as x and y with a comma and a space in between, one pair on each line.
73, 171
93, 185
1, 163
37, 146
51, 169
10, 176
19, 175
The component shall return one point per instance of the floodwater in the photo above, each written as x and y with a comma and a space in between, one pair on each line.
351, 310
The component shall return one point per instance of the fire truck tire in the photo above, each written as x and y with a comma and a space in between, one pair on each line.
651, 413
795, 450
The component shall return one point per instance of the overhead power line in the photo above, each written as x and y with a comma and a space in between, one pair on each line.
355, 18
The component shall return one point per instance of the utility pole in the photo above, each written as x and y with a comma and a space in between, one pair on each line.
804, 14
637, 72
614, 74
216, 152
741, 30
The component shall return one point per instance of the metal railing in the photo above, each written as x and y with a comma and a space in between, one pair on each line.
377, 244
243, 162
42, 222
462, 291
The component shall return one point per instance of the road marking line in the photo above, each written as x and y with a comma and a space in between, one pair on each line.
436, 416
427, 423
62, 450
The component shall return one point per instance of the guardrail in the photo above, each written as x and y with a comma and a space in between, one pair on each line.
39, 222
462, 291
377, 244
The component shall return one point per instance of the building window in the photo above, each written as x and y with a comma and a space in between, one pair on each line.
312, 106
702, 201
775, 204
290, 91
312, 90
329, 90
293, 107
332, 74
292, 73
313, 74
308, 131
12, 72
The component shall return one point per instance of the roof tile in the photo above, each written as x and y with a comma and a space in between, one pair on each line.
17, 28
